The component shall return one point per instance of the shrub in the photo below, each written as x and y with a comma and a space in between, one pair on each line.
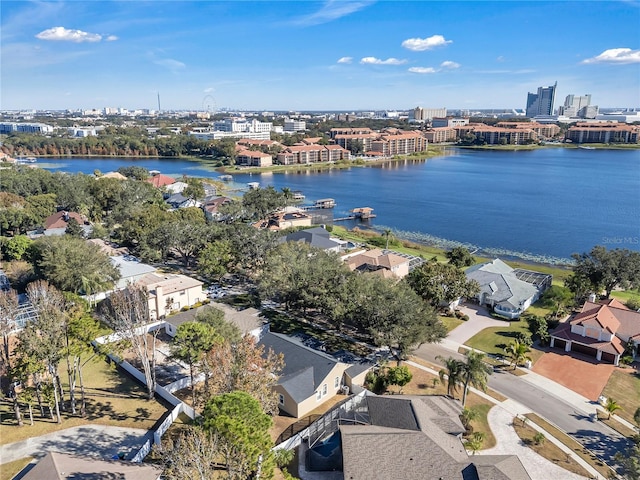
185, 308
465, 317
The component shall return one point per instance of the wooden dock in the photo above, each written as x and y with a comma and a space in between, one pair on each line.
354, 217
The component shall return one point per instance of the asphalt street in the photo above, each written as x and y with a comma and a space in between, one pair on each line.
594, 435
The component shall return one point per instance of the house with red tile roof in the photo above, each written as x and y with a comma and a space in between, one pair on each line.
159, 180
602, 330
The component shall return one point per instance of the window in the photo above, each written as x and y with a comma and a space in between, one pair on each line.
281, 399
336, 383
324, 389
318, 395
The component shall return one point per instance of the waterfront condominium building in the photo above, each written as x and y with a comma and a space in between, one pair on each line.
541, 103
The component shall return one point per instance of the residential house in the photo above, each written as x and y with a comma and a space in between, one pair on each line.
508, 291
170, 292
57, 224
116, 175
177, 187
131, 270
177, 200
287, 218
159, 180
601, 330
380, 262
248, 320
413, 437
317, 237
212, 206
57, 466
309, 378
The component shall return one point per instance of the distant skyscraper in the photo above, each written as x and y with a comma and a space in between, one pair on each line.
541, 103
573, 104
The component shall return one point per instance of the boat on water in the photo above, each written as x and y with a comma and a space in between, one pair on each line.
225, 178
26, 159
253, 185
298, 195
585, 147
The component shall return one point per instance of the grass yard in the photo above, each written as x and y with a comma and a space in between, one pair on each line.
624, 388
624, 295
11, 469
113, 398
587, 456
493, 340
547, 449
450, 322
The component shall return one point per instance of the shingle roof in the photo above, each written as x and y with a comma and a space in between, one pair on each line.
504, 285
304, 368
316, 237
59, 466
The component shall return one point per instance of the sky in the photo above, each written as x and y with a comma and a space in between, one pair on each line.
305, 55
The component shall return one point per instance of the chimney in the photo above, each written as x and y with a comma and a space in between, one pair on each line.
65, 216
592, 298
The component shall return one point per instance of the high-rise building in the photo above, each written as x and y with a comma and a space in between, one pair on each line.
573, 104
541, 103
421, 115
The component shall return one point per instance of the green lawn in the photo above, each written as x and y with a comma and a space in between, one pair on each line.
624, 388
625, 295
113, 399
450, 322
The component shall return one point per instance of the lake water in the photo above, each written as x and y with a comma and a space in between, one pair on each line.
541, 205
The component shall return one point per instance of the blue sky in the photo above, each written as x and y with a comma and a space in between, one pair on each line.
304, 55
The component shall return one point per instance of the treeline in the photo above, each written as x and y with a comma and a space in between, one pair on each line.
121, 142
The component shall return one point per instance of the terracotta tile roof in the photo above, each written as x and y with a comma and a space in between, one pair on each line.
601, 317
160, 180
563, 332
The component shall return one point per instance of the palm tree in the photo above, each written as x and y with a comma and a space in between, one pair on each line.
387, 233
475, 442
517, 352
467, 416
475, 373
453, 370
611, 406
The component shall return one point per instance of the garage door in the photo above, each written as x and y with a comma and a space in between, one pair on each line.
576, 347
608, 357
559, 343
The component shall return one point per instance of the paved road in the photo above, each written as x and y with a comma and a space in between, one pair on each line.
578, 423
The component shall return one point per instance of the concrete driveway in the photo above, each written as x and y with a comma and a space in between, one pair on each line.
95, 440
479, 319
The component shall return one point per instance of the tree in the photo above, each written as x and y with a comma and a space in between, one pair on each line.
194, 189
137, 173
190, 455
387, 233
558, 299
261, 202
460, 257
611, 407
215, 259
74, 229
454, 371
65, 260
607, 269
214, 317
17, 247
242, 429
400, 376
467, 416
244, 366
127, 312
539, 438
440, 284
517, 352
475, 373
192, 341
43, 338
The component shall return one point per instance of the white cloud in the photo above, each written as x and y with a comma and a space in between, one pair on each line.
422, 44
209, 90
170, 63
422, 70
111, 38
345, 60
333, 10
500, 58
67, 35
616, 55
449, 64
379, 61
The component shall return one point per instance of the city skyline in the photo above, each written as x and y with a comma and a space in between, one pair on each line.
335, 55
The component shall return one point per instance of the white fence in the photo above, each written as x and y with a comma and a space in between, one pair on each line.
164, 392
